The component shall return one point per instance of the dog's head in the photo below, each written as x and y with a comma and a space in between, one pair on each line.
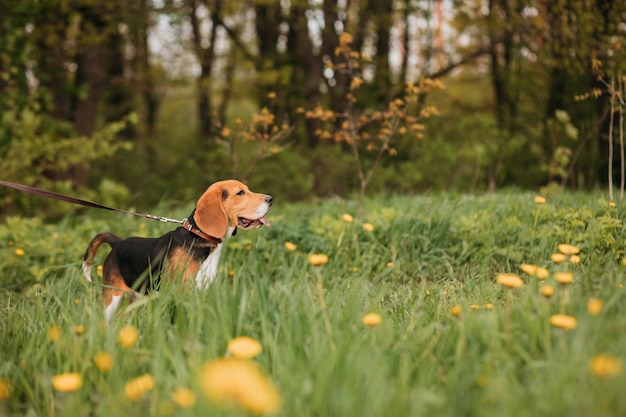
231, 203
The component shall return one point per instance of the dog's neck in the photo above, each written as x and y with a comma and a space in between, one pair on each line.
190, 225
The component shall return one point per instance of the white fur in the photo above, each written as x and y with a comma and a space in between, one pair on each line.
112, 307
208, 270
87, 271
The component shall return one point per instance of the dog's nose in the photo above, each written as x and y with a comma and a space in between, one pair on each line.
269, 199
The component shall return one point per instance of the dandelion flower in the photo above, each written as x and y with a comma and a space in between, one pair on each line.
5, 389
563, 321
389, 264
530, 269
542, 273
564, 277
509, 280
567, 249
489, 306
137, 387
574, 259
594, 306
290, 246
540, 200
547, 291
54, 333
368, 226
455, 311
244, 347
605, 365
557, 258
99, 271
19, 252
103, 361
371, 319
183, 397
347, 218
128, 336
232, 381
318, 259
474, 307
67, 382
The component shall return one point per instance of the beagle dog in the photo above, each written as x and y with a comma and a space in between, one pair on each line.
192, 251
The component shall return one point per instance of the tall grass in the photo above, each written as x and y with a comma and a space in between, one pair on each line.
426, 255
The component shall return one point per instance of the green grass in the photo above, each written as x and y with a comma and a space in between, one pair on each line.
425, 255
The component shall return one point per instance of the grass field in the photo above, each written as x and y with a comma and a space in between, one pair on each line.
452, 341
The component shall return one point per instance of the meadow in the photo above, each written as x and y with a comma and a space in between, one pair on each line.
447, 336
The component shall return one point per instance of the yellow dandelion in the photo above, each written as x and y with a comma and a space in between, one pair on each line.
318, 259
542, 273
99, 270
347, 218
54, 333
76, 301
574, 259
80, 329
67, 382
368, 227
557, 258
244, 347
231, 273
354, 269
612, 204
389, 264
567, 249
19, 252
128, 336
540, 200
547, 291
563, 321
594, 306
509, 280
103, 361
371, 319
605, 365
489, 306
456, 310
231, 381
137, 387
564, 277
5, 389
530, 269
474, 307
290, 246
183, 397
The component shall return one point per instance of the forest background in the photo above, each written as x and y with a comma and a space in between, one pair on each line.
131, 102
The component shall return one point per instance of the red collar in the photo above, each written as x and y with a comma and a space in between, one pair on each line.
196, 231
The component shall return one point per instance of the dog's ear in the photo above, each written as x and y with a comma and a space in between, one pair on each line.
210, 215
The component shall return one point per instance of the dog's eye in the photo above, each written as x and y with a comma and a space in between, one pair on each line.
241, 193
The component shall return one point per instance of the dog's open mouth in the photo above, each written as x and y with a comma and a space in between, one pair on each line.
252, 224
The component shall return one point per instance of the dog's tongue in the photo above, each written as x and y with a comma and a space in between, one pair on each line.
264, 221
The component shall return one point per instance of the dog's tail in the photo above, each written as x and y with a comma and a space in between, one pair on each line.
95, 243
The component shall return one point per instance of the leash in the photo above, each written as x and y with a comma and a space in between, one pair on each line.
74, 200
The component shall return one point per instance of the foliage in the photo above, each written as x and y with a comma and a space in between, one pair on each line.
449, 340
369, 130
